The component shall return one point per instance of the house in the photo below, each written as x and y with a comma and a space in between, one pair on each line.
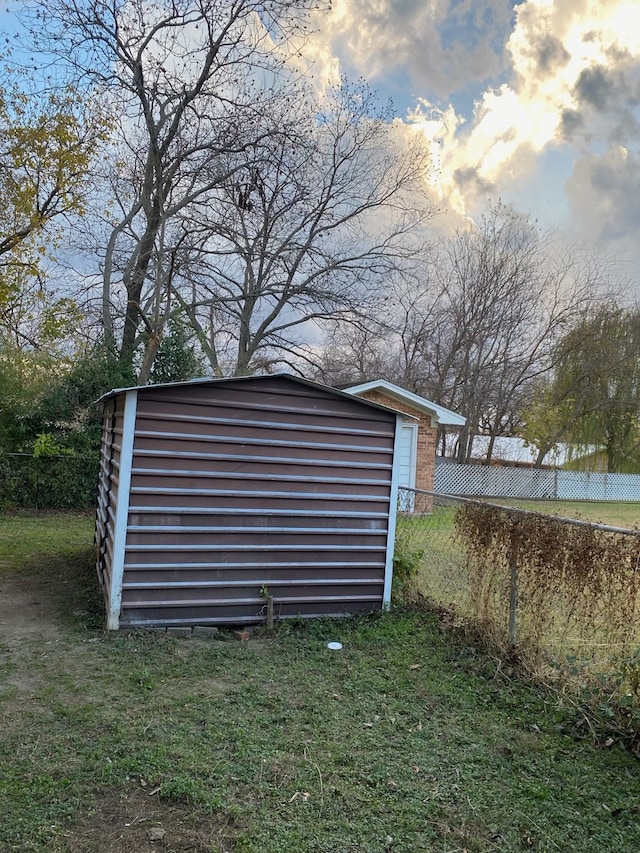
417, 445
216, 495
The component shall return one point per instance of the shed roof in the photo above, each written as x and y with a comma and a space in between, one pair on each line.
213, 380
438, 413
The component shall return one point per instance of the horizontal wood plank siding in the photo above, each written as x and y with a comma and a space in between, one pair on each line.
253, 484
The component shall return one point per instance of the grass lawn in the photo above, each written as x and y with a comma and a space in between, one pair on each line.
616, 513
25, 535
404, 740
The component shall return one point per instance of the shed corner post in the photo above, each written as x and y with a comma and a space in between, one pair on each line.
393, 514
122, 510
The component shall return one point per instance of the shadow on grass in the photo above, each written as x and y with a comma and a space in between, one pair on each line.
70, 584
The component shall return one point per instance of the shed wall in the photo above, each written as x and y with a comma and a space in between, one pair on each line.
244, 487
108, 483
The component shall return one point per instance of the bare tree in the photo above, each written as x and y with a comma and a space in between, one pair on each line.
187, 82
503, 294
482, 326
310, 225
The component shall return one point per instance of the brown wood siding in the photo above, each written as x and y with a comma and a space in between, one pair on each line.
259, 483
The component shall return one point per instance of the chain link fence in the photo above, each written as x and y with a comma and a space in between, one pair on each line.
563, 590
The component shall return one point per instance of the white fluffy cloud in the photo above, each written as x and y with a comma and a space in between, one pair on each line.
557, 77
441, 46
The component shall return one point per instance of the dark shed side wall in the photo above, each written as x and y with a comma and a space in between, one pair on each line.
109, 478
247, 487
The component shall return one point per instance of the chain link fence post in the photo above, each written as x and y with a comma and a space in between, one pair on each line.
513, 585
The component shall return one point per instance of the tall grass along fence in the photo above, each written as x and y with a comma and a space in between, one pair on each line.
495, 481
47, 482
564, 593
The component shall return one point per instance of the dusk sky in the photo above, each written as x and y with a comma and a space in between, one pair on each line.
537, 104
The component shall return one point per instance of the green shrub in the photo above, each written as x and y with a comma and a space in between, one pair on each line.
48, 482
406, 565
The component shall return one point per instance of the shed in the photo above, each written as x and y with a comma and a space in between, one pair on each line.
217, 493
419, 432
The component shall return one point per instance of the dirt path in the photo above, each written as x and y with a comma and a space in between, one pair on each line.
126, 820
26, 612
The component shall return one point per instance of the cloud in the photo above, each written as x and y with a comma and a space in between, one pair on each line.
554, 82
440, 47
574, 77
595, 86
571, 123
470, 176
604, 192
607, 98
551, 53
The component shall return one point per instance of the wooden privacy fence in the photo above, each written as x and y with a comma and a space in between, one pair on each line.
453, 478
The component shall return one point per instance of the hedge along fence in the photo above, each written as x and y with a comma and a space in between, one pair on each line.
560, 596
48, 482
553, 587
559, 585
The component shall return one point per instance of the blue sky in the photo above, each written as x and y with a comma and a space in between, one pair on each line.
537, 103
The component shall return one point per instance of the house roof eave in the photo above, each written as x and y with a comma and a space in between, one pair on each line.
439, 413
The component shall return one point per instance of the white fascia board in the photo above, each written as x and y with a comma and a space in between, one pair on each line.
122, 510
393, 514
438, 413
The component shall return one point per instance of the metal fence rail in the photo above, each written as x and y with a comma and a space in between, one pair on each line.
453, 478
504, 597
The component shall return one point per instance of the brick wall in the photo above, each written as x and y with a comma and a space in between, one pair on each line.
426, 449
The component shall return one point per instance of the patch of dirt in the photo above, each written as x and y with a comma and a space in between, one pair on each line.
28, 626
26, 612
140, 822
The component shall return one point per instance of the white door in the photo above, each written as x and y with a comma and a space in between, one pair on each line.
407, 464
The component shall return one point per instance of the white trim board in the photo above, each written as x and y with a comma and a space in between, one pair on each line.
122, 510
438, 413
393, 513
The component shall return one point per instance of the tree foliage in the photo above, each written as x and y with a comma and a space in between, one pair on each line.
47, 140
67, 410
24, 378
592, 399
178, 357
